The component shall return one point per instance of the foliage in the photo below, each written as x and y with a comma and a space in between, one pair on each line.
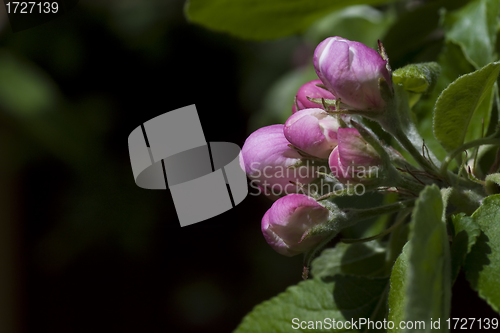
408, 276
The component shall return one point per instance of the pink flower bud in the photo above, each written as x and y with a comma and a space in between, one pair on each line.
268, 160
313, 131
289, 219
351, 71
311, 90
353, 158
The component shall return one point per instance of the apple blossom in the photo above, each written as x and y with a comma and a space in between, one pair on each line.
351, 71
313, 131
271, 163
353, 158
289, 220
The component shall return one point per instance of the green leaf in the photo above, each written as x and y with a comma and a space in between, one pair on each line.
482, 114
417, 78
356, 259
264, 19
453, 65
457, 104
474, 28
465, 236
341, 290
423, 270
397, 291
482, 265
462, 223
341, 298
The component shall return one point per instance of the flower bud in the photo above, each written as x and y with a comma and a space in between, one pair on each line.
272, 164
311, 90
351, 71
289, 220
353, 158
313, 131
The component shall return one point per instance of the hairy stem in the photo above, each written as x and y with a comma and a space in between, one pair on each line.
405, 142
355, 215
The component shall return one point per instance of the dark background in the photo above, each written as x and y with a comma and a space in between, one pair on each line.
82, 249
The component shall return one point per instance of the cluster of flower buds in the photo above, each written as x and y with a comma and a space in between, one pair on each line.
281, 159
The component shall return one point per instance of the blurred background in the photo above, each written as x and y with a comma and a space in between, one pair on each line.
82, 248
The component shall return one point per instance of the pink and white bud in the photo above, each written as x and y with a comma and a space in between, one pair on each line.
313, 131
289, 220
353, 159
351, 71
272, 164
311, 90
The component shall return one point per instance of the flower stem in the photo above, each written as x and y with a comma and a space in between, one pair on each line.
396, 120
408, 184
403, 140
355, 215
